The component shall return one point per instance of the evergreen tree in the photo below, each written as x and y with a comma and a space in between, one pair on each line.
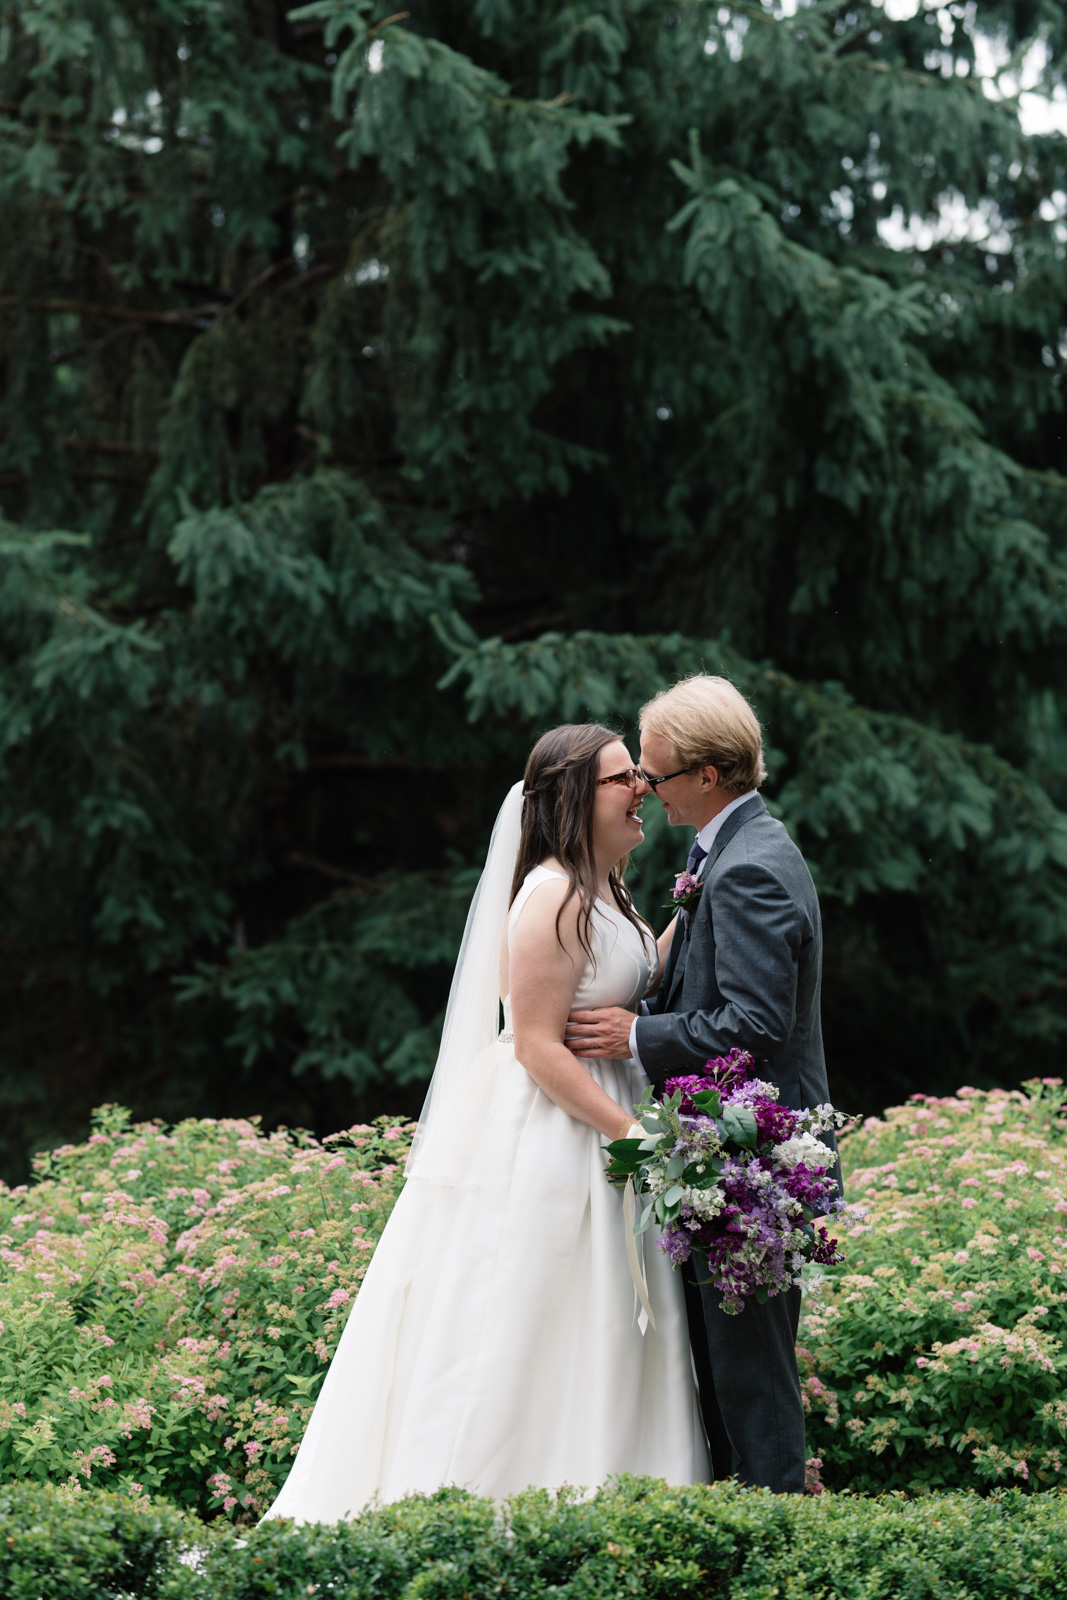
380, 388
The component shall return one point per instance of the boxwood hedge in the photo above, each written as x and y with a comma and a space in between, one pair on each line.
633, 1537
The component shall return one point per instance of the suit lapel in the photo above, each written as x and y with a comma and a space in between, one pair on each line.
680, 951
680, 943
678, 972
675, 960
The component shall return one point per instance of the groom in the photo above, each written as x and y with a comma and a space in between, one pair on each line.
744, 970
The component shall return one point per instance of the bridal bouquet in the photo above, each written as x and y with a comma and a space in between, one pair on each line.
733, 1177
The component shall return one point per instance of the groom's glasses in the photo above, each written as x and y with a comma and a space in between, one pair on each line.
631, 778
654, 782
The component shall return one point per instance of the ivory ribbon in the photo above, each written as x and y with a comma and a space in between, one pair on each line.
637, 1271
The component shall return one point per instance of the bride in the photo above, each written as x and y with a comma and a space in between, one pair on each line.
494, 1342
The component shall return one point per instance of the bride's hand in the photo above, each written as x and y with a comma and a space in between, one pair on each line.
629, 1129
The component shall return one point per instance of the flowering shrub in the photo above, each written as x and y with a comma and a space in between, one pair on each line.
169, 1301
936, 1357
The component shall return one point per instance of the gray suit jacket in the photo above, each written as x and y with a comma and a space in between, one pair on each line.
745, 967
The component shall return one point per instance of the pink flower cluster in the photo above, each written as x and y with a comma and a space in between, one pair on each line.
193, 1283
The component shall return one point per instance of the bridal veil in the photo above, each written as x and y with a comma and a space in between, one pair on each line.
445, 1144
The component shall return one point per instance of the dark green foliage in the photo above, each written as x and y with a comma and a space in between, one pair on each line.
635, 1537
379, 387
93, 1547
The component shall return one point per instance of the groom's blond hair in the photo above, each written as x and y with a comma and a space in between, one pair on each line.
710, 724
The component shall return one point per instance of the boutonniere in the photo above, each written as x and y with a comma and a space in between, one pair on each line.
686, 892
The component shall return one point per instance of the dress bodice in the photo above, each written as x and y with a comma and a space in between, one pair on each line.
621, 965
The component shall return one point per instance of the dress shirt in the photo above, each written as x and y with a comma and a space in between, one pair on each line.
705, 839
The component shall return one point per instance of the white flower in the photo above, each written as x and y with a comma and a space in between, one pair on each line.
823, 1116
802, 1147
706, 1203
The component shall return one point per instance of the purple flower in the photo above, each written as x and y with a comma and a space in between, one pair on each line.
687, 1088
774, 1123
676, 1244
725, 1073
684, 884
808, 1188
825, 1251
730, 1072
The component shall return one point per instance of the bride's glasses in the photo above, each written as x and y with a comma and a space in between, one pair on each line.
631, 778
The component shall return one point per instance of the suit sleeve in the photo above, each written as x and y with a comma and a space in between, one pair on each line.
757, 940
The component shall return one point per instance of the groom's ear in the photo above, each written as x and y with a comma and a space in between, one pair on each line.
709, 777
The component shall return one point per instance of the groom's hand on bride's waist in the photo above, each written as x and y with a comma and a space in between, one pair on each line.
603, 1032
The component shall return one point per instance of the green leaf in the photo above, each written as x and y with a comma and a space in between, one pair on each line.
739, 1123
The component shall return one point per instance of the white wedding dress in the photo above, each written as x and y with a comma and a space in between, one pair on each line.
494, 1342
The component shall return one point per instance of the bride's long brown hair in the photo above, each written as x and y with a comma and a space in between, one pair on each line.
559, 786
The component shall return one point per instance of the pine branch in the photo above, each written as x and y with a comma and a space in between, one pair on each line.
325, 869
193, 314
